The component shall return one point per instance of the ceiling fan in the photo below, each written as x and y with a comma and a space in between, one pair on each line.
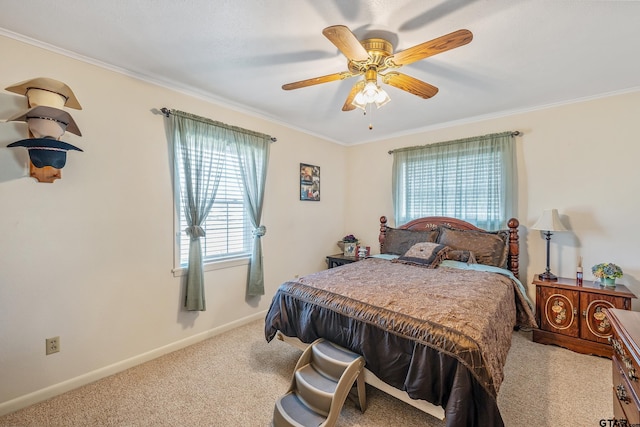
372, 56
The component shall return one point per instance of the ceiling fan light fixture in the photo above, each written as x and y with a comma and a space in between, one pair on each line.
382, 98
370, 94
370, 91
359, 101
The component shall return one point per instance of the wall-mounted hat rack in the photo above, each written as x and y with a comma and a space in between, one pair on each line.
46, 122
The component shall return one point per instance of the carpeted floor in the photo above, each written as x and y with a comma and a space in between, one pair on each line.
234, 379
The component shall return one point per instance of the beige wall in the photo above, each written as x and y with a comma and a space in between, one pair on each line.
89, 257
581, 159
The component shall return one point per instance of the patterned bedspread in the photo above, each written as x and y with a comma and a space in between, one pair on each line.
466, 316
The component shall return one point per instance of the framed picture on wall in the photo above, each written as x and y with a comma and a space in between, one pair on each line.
309, 182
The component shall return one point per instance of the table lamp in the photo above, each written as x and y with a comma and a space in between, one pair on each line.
548, 222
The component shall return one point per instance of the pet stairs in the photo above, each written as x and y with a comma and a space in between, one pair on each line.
321, 382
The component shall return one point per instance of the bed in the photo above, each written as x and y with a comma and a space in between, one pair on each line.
432, 314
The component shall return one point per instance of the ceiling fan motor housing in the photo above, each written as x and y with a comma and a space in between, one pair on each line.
378, 50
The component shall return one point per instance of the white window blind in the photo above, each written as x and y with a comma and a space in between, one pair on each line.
450, 187
227, 227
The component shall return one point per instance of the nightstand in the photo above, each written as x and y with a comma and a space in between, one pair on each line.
574, 317
339, 259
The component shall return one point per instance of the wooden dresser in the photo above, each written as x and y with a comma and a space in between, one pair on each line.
573, 317
625, 361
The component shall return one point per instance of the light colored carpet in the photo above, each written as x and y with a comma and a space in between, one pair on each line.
234, 379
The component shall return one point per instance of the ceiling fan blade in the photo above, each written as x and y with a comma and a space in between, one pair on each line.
317, 80
346, 42
410, 84
432, 47
348, 106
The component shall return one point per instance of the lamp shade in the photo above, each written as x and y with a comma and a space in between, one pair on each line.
549, 221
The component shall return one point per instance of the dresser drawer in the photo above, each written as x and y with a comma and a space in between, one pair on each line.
627, 361
625, 398
618, 412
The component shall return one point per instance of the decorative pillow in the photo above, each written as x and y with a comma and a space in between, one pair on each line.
488, 247
398, 241
462, 256
424, 254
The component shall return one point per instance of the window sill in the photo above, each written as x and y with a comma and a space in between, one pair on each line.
218, 265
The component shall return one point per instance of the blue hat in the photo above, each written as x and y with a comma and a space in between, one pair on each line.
46, 151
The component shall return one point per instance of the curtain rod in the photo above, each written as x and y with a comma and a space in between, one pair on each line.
167, 112
513, 133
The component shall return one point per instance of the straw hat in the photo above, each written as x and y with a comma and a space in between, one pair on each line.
46, 151
47, 122
47, 92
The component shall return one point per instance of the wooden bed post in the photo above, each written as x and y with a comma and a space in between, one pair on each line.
383, 232
514, 247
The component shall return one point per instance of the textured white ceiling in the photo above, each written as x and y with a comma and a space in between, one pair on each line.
525, 54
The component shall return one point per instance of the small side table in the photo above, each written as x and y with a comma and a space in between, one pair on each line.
574, 317
339, 259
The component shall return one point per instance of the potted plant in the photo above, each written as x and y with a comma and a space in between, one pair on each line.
607, 272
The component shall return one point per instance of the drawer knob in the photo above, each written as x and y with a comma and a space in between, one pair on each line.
622, 394
631, 371
617, 347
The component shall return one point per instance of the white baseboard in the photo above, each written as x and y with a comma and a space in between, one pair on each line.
73, 383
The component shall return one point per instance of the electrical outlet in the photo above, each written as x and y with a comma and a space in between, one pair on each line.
53, 345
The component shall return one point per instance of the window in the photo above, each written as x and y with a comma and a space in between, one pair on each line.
227, 227
470, 179
217, 168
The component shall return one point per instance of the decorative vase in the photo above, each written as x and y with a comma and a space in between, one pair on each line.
341, 245
609, 281
350, 248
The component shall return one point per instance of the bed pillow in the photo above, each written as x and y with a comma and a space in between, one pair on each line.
398, 241
462, 256
488, 247
424, 254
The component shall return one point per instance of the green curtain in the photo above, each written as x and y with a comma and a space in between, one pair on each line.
194, 139
253, 153
472, 179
